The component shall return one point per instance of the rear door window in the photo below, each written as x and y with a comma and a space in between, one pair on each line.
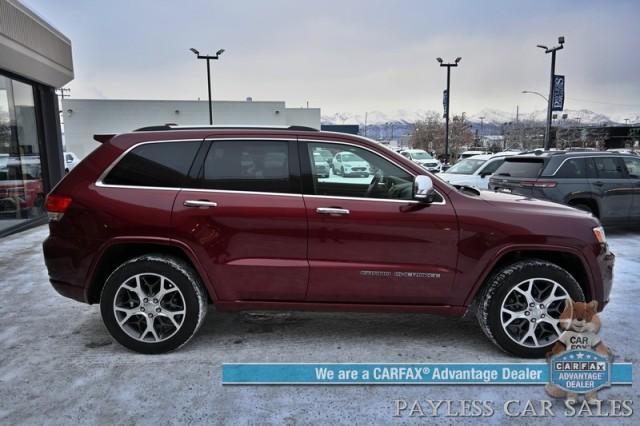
257, 166
574, 168
609, 168
521, 168
161, 164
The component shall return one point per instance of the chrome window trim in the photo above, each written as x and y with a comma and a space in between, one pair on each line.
379, 155
387, 200
104, 174
588, 156
101, 184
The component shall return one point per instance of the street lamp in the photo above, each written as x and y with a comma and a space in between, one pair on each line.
552, 50
447, 97
208, 58
531, 92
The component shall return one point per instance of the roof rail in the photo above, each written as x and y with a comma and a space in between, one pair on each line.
164, 127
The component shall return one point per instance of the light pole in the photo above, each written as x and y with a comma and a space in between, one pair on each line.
552, 50
531, 92
448, 96
208, 58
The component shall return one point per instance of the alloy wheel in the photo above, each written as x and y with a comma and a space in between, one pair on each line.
149, 307
530, 313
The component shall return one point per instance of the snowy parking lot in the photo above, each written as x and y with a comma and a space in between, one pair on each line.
59, 365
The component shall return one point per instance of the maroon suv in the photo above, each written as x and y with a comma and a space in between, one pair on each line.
156, 223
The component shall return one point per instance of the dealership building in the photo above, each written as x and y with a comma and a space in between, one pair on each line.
85, 117
35, 59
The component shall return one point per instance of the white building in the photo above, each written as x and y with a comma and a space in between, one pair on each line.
85, 117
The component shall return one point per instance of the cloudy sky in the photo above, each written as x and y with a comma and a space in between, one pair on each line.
355, 56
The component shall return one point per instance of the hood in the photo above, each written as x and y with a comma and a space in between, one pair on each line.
456, 178
355, 163
531, 205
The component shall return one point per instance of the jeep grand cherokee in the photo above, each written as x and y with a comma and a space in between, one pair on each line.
156, 223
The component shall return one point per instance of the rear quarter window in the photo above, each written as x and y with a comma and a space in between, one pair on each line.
525, 168
163, 164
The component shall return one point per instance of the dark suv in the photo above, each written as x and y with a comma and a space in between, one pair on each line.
155, 224
604, 184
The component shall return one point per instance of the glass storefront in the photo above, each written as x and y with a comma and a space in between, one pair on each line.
22, 189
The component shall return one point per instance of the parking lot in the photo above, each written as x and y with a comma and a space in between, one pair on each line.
59, 365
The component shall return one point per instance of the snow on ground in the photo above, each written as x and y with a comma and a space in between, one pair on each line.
58, 365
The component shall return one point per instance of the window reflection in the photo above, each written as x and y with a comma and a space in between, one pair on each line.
21, 185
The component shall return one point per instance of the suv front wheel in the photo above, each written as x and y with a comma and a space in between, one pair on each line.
520, 307
153, 304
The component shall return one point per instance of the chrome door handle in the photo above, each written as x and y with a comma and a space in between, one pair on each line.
332, 211
200, 203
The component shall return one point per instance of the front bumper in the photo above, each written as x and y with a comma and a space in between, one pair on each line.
606, 262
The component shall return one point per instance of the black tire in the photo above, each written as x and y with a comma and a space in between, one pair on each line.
499, 286
585, 208
181, 275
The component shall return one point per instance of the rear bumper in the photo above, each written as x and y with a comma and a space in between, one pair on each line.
69, 290
68, 262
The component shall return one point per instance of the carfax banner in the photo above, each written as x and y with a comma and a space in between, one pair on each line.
411, 374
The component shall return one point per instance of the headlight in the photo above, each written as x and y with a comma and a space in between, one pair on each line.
598, 232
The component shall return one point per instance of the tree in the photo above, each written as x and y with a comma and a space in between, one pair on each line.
428, 134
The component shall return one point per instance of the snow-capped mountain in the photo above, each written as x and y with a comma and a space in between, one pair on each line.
375, 117
490, 116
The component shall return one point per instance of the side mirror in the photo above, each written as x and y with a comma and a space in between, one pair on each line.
423, 189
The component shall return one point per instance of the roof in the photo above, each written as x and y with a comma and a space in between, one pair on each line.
168, 127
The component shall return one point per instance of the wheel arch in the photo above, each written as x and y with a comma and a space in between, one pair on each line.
588, 201
567, 259
118, 251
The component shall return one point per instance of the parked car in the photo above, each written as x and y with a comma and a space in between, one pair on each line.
604, 184
70, 161
472, 153
21, 187
350, 164
423, 158
154, 225
320, 166
623, 151
475, 171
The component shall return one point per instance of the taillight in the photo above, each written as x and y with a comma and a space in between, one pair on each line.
538, 184
56, 206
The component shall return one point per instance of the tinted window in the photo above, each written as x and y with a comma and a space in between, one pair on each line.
355, 179
492, 166
572, 169
609, 168
633, 167
261, 166
466, 167
156, 164
528, 168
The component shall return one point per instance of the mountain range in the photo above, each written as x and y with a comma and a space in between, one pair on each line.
489, 116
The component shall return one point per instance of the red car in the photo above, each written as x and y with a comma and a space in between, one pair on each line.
156, 223
21, 188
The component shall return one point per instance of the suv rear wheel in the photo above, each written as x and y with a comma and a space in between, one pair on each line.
153, 304
521, 305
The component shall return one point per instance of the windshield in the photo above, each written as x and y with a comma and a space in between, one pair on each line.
421, 155
351, 157
466, 167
